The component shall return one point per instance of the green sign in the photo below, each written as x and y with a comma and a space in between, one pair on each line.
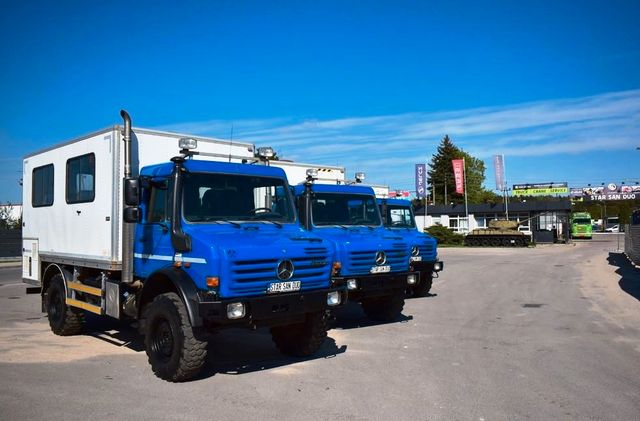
540, 189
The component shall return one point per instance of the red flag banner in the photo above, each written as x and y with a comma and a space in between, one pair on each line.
458, 174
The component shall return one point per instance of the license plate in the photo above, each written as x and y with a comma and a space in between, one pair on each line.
380, 269
287, 286
416, 258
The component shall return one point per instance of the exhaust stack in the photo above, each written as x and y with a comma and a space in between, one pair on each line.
127, 228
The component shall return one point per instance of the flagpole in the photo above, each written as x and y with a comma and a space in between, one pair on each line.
506, 190
466, 206
426, 200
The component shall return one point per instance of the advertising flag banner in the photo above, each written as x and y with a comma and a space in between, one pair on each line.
458, 174
498, 164
421, 181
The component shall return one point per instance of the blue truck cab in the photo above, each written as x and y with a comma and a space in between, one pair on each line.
374, 262
398, 218
220, 245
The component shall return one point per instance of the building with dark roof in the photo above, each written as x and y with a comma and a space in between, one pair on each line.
542, 219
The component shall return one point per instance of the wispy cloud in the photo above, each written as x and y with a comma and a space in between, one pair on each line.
386, 146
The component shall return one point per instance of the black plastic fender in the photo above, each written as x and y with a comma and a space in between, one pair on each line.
183, 285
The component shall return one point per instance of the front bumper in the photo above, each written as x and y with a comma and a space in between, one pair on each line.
375, 285
427, 266
269, 310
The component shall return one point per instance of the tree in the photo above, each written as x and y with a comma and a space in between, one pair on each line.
7, 220
441, 175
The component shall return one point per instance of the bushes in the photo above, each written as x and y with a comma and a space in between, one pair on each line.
444, 235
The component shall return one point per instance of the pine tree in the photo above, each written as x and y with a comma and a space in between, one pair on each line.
441, 173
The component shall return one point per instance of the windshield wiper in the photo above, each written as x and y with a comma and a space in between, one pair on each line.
277, 224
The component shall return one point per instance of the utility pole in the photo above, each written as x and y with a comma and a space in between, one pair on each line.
445, 187
506, 200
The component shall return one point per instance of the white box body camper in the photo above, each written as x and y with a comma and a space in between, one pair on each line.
72, 194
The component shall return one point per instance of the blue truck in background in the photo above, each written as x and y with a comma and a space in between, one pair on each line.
374, 261
198, 245
398, 217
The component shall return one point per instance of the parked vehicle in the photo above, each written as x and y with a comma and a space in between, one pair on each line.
581, 225
117, 224
398, 217
374, 262
615, 228
501, 233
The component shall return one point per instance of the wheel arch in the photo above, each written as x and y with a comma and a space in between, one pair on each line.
52, 270
172, 280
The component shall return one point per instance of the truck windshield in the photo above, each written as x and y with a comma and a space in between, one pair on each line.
344, 209
234, 197
399, 217
582, 221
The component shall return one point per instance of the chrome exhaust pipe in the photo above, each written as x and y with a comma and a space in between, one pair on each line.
127, 228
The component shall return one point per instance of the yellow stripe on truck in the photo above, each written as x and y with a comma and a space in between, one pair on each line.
84, 306
85, 288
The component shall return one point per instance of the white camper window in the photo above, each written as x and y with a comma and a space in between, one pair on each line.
42, 186
81, 182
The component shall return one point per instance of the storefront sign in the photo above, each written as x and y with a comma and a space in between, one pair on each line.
539, 189
609, 192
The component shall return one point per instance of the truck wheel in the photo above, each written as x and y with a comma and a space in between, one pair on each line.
64, 320
384, 309
424, 286
174, 352
302, 339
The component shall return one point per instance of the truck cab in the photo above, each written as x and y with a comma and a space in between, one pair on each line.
374, 262
398, 218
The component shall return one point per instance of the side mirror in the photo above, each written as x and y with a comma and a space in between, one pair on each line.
131, 214
131, 192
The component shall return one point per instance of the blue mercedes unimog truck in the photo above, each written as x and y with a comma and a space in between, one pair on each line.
398, 218
374, 262
184, 247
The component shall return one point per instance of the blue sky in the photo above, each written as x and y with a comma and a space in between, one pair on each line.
373, 86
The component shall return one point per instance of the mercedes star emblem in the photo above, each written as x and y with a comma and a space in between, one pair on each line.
415, 251
381, 258
285, 270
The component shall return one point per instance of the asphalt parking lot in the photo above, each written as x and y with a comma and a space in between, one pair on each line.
551, 332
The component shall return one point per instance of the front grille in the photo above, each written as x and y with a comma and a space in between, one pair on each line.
361, 261
252, 276
427, 251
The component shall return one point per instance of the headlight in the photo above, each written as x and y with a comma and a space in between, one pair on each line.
333, 298
352, 284
312, 173
235, 310
412, 279
437, 266
187, 143
266, 152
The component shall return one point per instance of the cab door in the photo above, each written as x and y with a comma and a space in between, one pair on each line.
152, 246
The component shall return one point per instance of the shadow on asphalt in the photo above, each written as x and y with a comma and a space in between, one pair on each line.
351, 316
231, 351
238, 351
629, 275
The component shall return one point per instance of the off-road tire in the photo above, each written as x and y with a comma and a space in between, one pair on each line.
175, 352
302, 339
384, 309
424, 286
63, 319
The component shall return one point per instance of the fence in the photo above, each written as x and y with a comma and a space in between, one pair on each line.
10, 243
632, 239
